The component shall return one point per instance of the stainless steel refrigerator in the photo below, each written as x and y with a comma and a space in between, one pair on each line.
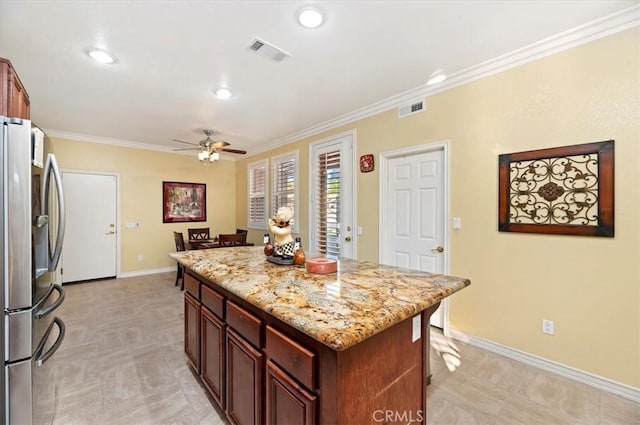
32, 229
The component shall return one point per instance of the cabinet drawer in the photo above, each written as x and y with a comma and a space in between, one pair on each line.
212, 300
291, 356
245, 323
192, 286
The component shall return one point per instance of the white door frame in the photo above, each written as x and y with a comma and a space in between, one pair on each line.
384, 214
118, 202
354, 201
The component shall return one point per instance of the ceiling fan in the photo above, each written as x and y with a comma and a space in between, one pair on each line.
209, 149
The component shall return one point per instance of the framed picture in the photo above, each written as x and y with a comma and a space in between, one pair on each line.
184, 202
566, 190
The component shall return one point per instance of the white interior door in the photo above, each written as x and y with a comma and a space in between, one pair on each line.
90, 244
413, 234
332, 213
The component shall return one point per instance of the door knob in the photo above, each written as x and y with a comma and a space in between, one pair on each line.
110, 233
438, 249
348, 239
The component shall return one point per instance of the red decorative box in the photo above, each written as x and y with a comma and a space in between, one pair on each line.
322, 265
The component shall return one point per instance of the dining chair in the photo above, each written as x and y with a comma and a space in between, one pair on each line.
199, 233
179, 240
241, 230
232, 239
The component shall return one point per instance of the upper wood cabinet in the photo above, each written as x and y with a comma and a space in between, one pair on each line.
14, 100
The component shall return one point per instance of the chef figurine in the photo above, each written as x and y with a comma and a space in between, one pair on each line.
283, 244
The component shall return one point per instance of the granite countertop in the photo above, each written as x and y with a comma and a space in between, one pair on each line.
339, 309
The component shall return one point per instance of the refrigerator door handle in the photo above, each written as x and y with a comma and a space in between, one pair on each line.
41, 357
45, 311
52, 167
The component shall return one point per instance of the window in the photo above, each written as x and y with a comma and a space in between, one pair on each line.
284, 187
257, 193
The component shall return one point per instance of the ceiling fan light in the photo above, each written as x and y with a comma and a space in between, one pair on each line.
204, 155
214, 156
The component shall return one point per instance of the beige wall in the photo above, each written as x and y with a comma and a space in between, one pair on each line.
590, 287
141, 175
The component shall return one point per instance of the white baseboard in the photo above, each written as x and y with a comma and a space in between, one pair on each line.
599, 382
147, 271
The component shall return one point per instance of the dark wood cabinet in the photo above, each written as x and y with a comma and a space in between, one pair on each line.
287, 401
192, 309
244, 381
14, 100
260, 370
213, 354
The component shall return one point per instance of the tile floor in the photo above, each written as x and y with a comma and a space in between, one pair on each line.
122, 362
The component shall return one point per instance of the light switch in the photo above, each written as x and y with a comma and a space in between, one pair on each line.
359, 231
457, 223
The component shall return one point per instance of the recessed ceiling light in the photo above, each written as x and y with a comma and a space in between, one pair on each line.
101, 56
436, 78
223, 94
310, 17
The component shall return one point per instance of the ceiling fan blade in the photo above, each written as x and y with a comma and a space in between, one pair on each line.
220, 144
232, 151
186, 143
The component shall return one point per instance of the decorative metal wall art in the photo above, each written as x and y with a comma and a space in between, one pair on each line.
566, 190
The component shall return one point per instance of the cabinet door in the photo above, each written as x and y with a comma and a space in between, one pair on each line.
287, 401
14, 100
213, 330
192, 330
19, 100
244, 381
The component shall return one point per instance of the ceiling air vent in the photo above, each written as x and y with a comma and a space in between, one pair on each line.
266, 50
410, 108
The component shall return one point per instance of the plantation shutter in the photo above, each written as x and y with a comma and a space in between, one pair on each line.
284, 184
257, 213
328, 203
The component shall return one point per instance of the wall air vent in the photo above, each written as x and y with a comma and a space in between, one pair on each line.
266, 50
411, 108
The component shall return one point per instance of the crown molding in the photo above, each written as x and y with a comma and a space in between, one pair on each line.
608, 25
106, 140
123, 143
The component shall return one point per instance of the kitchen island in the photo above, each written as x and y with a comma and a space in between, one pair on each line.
277, 345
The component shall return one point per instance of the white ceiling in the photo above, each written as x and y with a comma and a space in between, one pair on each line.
172, 55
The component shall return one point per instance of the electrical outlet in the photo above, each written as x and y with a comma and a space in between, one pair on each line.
547, 326
140, 257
